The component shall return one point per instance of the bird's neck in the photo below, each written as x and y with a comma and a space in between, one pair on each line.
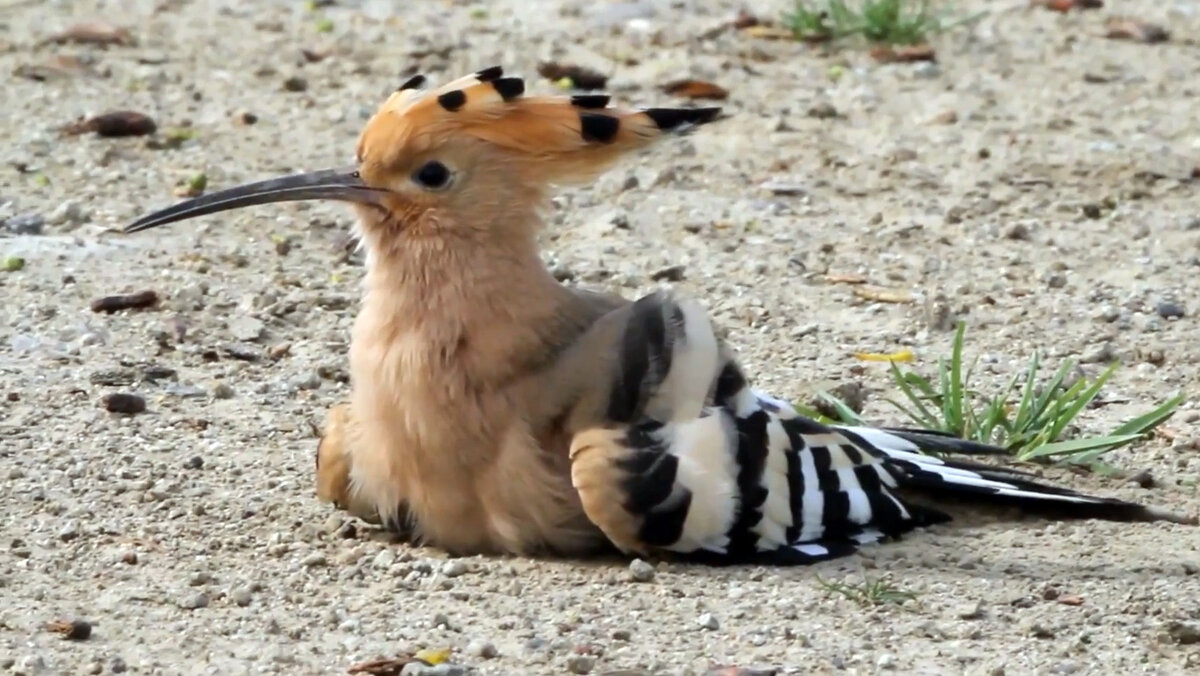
487, 306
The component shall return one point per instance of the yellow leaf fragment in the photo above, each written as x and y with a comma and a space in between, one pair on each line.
902, 355
883, 295
434, 657
836, 278
769, 33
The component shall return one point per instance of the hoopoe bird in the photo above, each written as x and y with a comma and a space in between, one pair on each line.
496, 410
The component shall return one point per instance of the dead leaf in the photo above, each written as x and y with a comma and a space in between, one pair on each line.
112, 124
745, 19
902, 355
695, 89
765, 32
1164, 433
579, 76
1125, 28
883, 295
93, 33
385, 666
903, 54
835, 278
1066, 5
313, 55
57, 67
946, 117
73, 630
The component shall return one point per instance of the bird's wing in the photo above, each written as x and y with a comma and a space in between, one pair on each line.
691, 459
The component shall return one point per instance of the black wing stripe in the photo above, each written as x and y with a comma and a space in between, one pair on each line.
751, 461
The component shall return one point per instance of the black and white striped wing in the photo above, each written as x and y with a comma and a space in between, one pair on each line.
699, 463
770, 485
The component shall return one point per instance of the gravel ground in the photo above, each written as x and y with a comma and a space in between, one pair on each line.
1036, 181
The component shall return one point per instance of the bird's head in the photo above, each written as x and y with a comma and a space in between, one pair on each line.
471, 156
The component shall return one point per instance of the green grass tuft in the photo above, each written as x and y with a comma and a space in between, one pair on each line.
1028, 417
869, 592
892, 22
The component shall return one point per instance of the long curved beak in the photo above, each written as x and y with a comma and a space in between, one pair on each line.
343, 185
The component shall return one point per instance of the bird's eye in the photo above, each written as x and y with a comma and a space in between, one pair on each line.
432, 175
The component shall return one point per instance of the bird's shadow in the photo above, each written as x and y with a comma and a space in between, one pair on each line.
969, 520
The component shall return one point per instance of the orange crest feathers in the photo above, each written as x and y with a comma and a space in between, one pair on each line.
564, 137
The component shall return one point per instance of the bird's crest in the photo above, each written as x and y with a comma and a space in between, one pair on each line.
570, 137
546, 139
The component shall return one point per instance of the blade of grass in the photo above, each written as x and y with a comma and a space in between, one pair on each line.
1027, 397
845, 413
1074, 446
902, 380
955, 394
1146, 422
1082, 398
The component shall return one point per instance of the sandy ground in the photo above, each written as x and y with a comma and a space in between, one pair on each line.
1036, 181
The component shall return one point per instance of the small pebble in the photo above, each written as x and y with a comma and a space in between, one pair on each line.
67, 213
708, 621
194, 601
673, 273
194, 462
311, 381
247, 329
1169, 310
823, 111
927, 70
69, 531
971, 611
25, 224
1039, 630
1017, 231
118, 666
482, 649
123, 402
110, 304
454, 568
581, 664
1143, 478
222, 391
244, 351
158, 372
241, 596
1100, 354
384, 559
640, 571
1184, 633
784, 188
30, 665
